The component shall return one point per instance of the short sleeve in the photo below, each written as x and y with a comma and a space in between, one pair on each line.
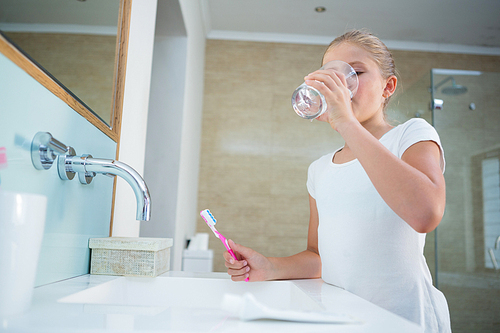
417, 130
310, 180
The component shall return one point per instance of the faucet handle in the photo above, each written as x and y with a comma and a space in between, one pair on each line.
86, 177
45, 149
70, 164
64, 165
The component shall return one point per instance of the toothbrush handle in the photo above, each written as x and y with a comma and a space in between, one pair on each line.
226, 244
231, 252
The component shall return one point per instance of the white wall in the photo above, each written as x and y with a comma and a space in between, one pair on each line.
135, 112
164, 132
187, 214
135, 118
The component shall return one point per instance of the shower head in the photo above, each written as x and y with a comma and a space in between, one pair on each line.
454, 89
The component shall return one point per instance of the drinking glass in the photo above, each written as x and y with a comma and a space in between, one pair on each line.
309, 103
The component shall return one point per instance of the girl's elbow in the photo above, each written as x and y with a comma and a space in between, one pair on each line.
431, 210
425, 223
425, 228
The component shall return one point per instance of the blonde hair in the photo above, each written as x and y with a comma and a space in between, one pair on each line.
373, 45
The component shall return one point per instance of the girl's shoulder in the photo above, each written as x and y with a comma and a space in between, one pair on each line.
411, 132
410, 128
413, 124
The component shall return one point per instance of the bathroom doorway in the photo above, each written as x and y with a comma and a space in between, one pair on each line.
466, 113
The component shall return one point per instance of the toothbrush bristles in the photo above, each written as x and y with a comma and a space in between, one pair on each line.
210, 221
213, 218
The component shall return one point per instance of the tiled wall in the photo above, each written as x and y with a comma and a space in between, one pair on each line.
255, 153
255, 149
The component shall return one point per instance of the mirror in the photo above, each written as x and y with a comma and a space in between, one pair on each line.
75, 48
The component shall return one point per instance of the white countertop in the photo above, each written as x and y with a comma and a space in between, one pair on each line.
48, 314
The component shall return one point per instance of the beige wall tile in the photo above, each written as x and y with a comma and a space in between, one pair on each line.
256, 151
84, 64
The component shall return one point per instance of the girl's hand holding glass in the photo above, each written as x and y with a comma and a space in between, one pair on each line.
309, 103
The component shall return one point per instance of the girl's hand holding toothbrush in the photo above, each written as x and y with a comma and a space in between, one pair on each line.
251, 264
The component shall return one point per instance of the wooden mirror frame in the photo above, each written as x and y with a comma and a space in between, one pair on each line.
26, 64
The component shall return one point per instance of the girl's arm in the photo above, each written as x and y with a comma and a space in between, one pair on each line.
412, 186
255, 266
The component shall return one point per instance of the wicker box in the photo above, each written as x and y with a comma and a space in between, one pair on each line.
129, 256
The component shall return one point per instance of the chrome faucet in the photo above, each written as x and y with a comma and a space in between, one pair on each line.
88, 167
45, 149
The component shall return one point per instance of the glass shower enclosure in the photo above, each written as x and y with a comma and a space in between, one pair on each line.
463, 253
465, 110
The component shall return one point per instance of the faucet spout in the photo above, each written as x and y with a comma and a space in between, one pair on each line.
88, 164
131, 176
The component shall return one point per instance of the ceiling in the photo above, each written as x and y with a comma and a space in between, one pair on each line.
469, 26
464, 26
89, 16
91, 12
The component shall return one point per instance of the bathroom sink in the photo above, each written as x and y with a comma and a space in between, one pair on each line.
184, 292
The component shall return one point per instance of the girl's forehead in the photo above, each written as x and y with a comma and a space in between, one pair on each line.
349, 53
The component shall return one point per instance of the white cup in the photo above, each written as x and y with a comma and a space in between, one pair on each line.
22, 222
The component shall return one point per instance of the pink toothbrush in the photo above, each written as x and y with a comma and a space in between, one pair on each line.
211, 221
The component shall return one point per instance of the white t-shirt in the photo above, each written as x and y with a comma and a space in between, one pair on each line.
365, 247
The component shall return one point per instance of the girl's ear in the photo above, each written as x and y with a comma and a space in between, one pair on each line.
390, 86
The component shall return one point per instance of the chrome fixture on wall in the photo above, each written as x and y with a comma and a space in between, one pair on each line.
437, 104
492, 254
88, 166
45, 149
454, 89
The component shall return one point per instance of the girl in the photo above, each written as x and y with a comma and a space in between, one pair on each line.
372, 201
